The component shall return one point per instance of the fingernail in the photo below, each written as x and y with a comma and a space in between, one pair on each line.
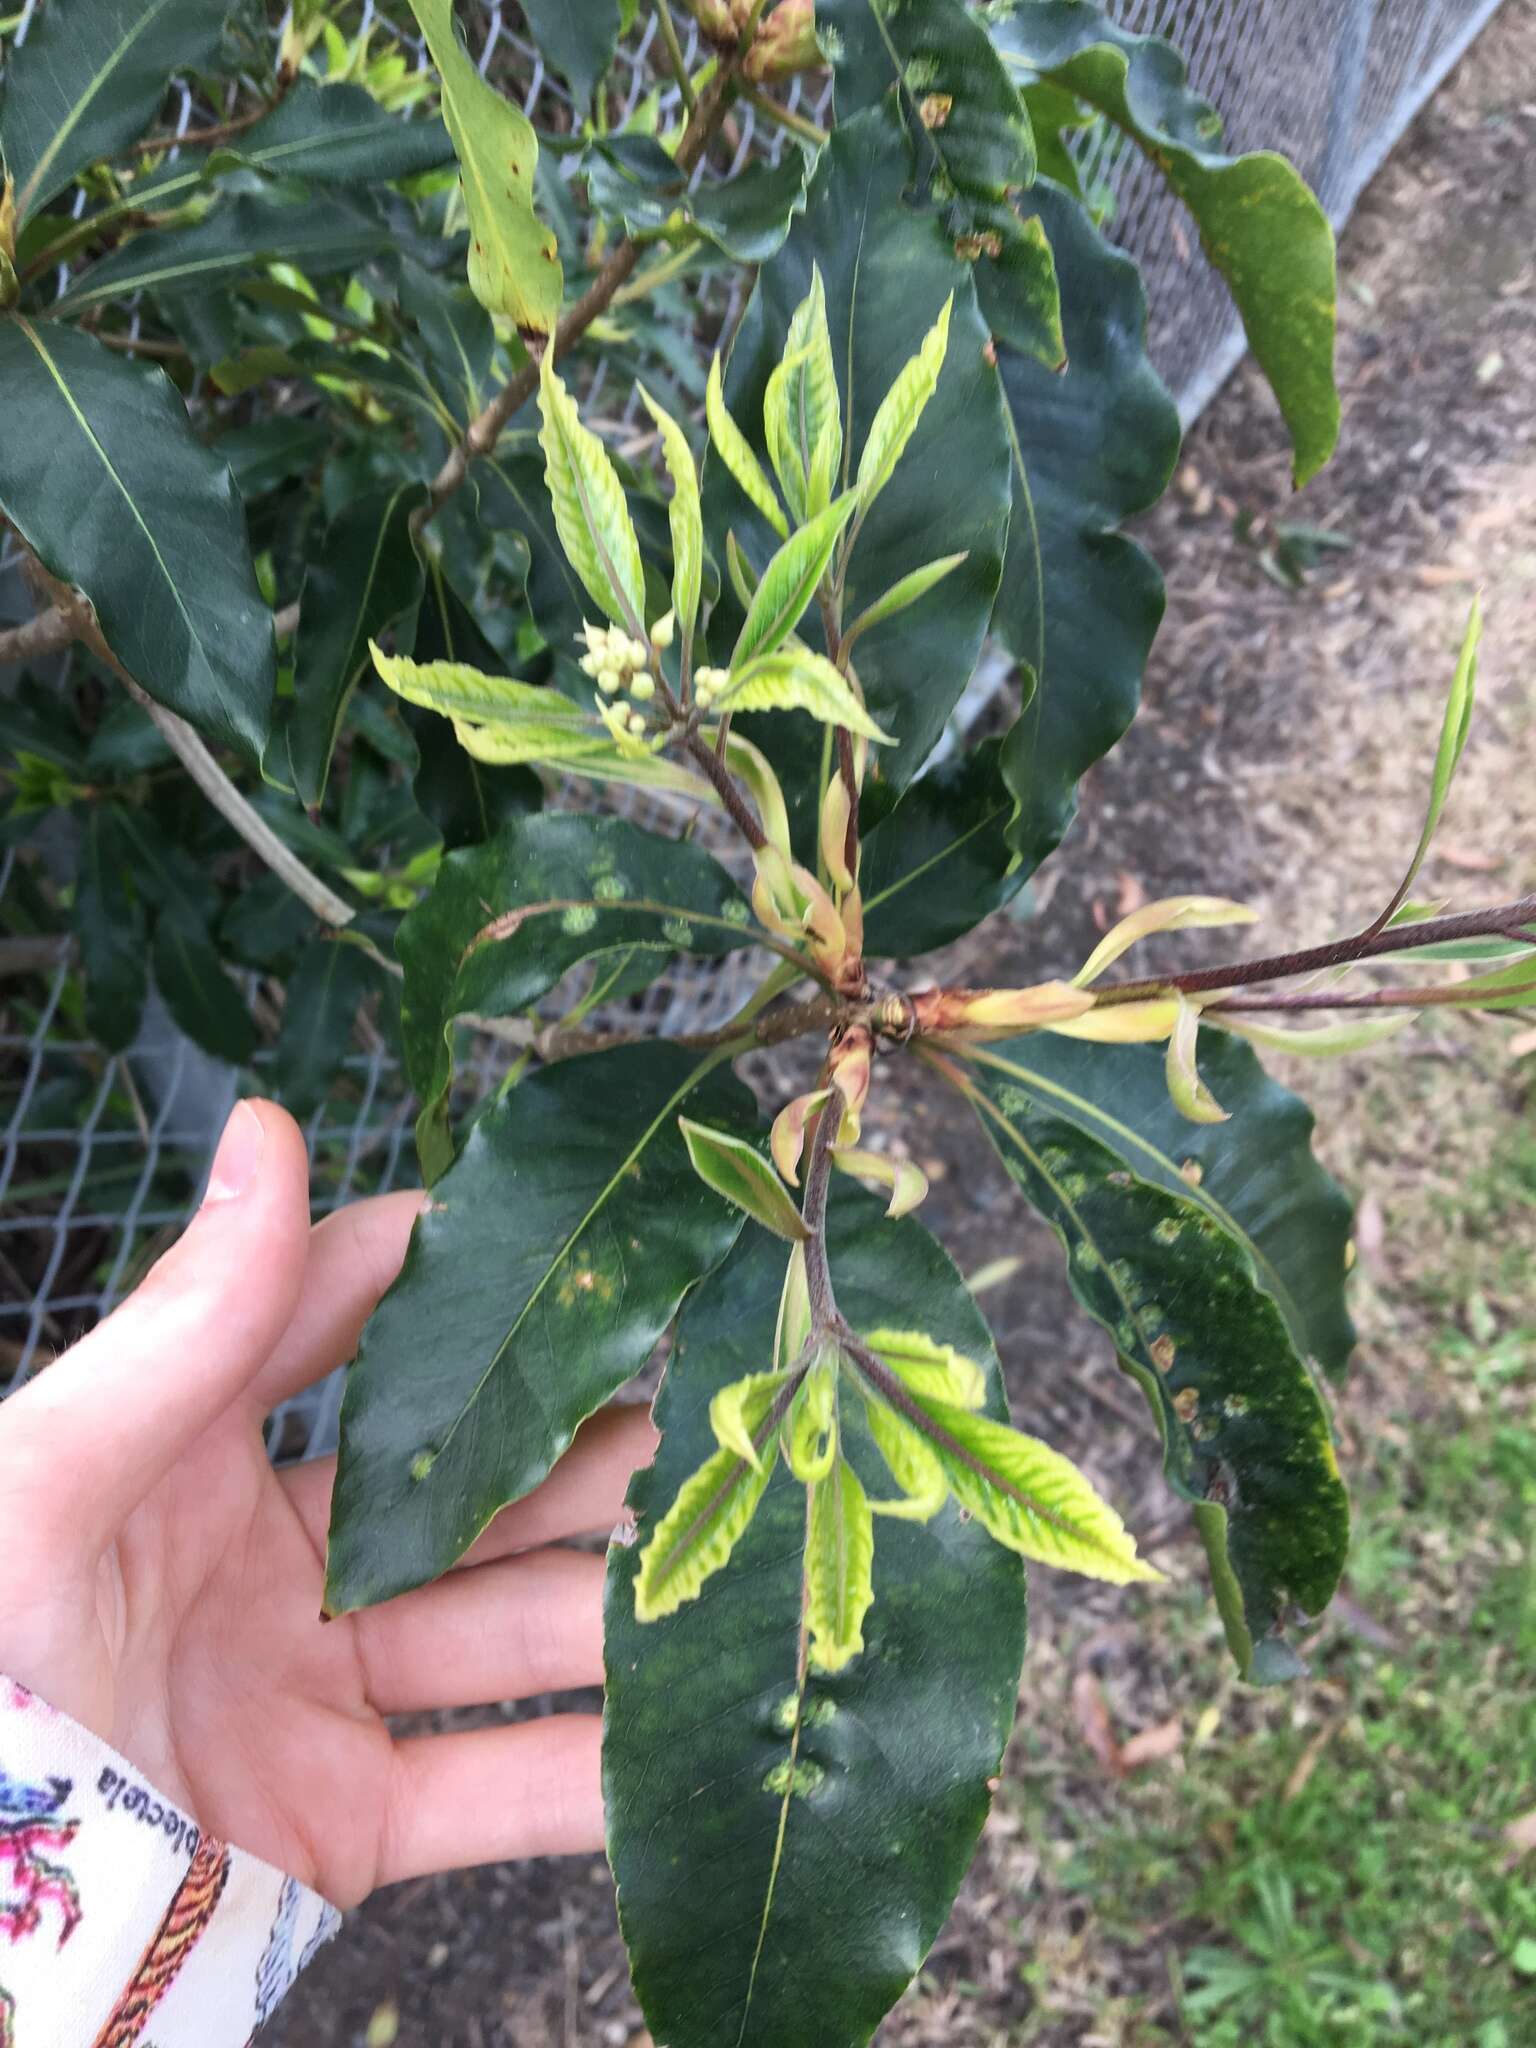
238, 1156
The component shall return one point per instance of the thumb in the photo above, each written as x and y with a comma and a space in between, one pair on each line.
94, 1433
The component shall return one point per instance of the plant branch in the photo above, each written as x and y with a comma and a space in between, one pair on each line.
675, 56
792, 124
727, 789
485, 429
1503, 920
1454, 995
48, 631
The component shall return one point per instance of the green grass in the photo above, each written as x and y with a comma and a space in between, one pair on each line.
1327, 1868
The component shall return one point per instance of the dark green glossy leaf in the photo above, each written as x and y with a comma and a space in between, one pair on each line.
266, 926
887, 270
786, 1851
1245, 1434
127, 742
1258, 1177
339, 134
198, 993
101, 474
1259, 225
1092, 445
938, 861
554, 1254
505, 920
632, 179
365, 575
969, 128
36, 720
579, 41
89, 79
109, 930
272, 452
457, 333
319, 235
319, 1007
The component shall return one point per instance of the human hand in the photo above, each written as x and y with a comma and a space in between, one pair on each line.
163, 1583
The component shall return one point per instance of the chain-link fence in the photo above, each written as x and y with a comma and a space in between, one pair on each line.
102, 1156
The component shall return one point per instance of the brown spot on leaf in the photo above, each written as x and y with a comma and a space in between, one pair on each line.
1162, 1349
1186, 1404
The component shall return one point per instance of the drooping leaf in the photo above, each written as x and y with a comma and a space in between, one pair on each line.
1187, 1090
683, 517
1168, 914
1091, 445
322, 235
505, 920
735, 1168
886, 270
578, 41
554, 1254
189, 974
591, 516
110, 930
1027, 1496
788, 582
514, 262
839, 1567
632, 179
1259, 224
799, 681
365, 575
1254, 1175
795, 1901
102, 475
1245, 1435
319, 1008
89, 79
938, 861
695, 1537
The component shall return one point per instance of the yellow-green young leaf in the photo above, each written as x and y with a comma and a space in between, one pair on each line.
1351, 1034
915, 1469
839, 1567
793, 1328
591, 517
734, 451
797, 680
597, 758
896, 418
738, 1171
742, 574
1031, 1498
1168, 914
901, 1179
1189, 1093
683, 515
1453, 737
779, 434
810, 1433
789, 582
823, 470
738, 1412
697, 1534
906, 590
815, 409
514, 261
751, 769
935, 1371
456, 690
1139, 1023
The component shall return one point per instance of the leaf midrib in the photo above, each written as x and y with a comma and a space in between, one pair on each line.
77, 114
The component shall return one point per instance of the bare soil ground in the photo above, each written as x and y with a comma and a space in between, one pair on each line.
1282, 757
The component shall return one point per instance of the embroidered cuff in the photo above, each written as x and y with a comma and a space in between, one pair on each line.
120, 1921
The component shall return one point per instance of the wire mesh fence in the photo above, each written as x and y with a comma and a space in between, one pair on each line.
102, 1156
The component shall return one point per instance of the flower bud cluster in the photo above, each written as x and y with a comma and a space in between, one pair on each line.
620, 666
707, 685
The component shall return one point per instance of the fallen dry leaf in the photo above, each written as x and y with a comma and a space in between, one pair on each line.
1468, 858
1521, 1837
1523, 1043
1152, 1745
1132, 895
1307, 1762
1091, 1715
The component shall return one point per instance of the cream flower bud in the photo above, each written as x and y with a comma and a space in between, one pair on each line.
643, 688
610, 680
637, 722
661, 632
